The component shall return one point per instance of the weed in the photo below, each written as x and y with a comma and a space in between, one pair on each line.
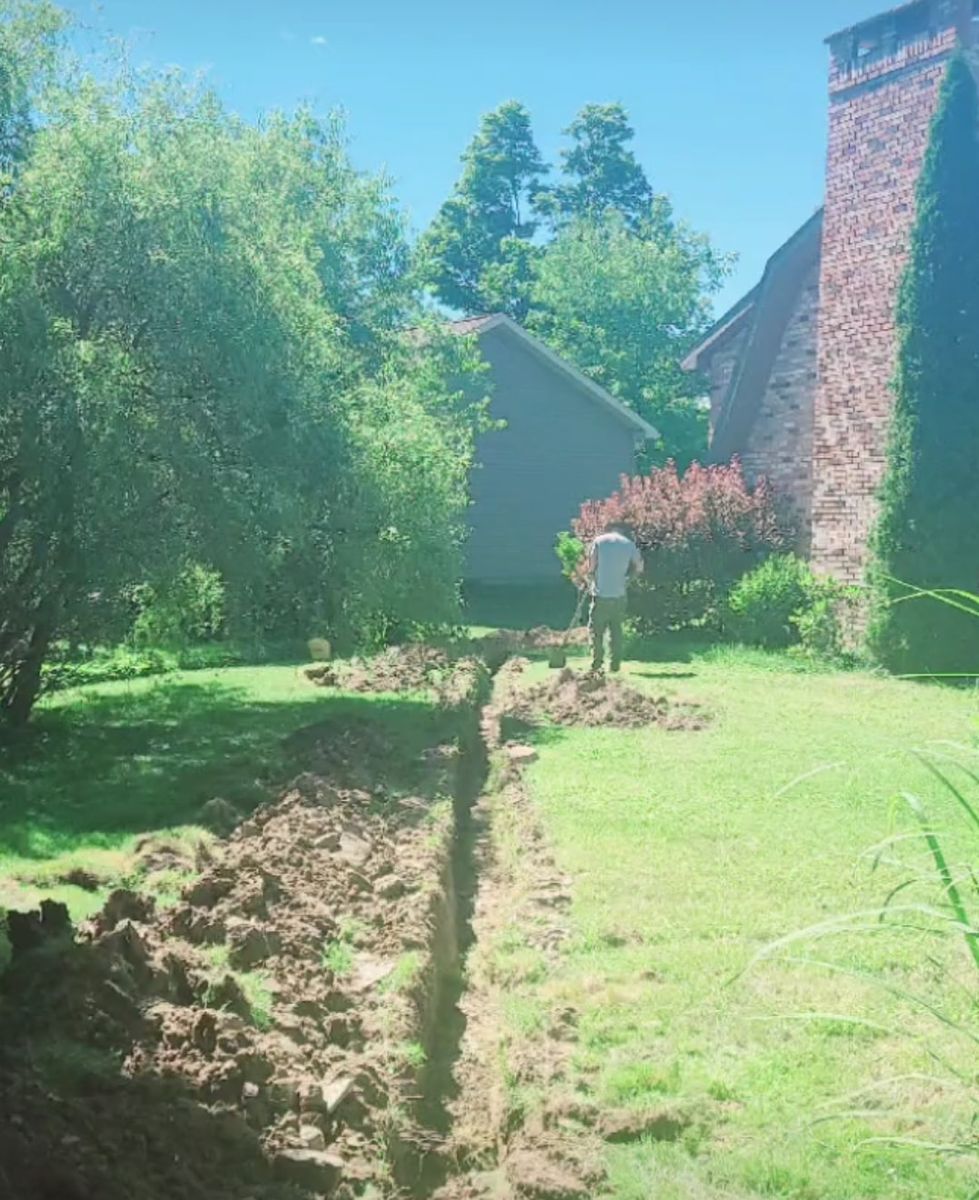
338, 958
405, 975
413, 1055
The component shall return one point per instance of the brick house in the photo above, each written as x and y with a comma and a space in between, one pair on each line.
800, 367
566, 440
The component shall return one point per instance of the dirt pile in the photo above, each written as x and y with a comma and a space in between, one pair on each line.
411, 668
254, 1040
573, 698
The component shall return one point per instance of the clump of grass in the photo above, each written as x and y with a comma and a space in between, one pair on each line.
405, 974
338, 957
413, 1055
254, 985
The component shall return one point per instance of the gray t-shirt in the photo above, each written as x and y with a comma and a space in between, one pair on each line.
612, 556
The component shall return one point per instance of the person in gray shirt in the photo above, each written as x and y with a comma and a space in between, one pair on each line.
614, 559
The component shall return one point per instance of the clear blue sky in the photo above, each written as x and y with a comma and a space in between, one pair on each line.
727, 97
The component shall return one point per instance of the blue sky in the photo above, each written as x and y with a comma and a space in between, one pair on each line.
728, 97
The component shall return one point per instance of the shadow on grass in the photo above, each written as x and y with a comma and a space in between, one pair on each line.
107, 766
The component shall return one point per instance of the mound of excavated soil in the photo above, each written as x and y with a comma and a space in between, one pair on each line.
571, 698
412, 668
243, 1044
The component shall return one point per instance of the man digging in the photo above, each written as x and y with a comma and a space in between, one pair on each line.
613, 561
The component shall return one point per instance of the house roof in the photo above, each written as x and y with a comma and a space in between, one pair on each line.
763, 314
722, 329
500, 321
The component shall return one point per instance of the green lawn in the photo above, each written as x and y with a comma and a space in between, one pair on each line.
102, 766
692, 851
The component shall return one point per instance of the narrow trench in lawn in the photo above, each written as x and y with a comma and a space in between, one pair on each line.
423, 1171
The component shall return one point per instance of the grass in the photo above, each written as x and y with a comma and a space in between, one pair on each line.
690, 852
254, 985
101, 767
338, 957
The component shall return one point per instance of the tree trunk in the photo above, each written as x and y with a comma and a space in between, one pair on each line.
26, 684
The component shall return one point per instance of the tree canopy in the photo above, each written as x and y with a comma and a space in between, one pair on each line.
927, 535
594, 263
202, 359
486, 223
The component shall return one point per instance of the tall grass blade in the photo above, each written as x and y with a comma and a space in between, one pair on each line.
948, 881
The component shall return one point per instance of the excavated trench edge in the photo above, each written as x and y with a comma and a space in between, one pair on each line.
422, 1173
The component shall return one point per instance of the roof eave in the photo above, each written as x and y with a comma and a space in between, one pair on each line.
616, 407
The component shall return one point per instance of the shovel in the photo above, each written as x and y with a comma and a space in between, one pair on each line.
557, 656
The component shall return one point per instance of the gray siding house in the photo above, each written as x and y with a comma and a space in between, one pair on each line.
566, 441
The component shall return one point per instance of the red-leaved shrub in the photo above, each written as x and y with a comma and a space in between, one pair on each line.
698, 533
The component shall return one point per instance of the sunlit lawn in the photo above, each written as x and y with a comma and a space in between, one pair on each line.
692, 851
103, 766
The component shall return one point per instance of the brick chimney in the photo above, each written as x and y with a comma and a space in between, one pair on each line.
884, 80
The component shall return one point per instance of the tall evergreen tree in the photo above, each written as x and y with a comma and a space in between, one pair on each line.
927, 535
600, 170
473, 243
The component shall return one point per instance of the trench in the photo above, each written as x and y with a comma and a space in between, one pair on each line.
422, 1170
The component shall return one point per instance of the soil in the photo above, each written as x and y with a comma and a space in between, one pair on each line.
411, 668
573, 698
251, 1040
248, 1042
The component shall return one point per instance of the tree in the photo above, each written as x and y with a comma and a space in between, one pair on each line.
202, 361
28, 40
927, 534
626, 307
490, 209
601, 172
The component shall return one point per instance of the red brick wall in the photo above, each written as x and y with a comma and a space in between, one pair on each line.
779, 445
879, 121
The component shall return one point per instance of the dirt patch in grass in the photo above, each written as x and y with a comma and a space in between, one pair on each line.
263, 1035
573, 698
412, 668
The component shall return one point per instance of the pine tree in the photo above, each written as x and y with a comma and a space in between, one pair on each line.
473, 243
927, 533
600, 171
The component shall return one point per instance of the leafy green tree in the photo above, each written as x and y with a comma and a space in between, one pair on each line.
201, 361
601, 172
927, 535
479, 228
625, 307
28, 40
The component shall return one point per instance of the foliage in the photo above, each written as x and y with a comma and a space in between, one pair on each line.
626, 308
821, 625
595, 264
600, 171
698, 532
571, 552
478, 230
927, 534
763, 603
189, 609
201, 361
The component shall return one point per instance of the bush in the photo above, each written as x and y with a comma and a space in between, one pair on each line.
764, 604
571, 551
698, 532
190, 609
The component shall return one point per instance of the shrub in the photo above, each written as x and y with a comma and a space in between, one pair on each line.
571, 551
190, 609
699, 532
764, 604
